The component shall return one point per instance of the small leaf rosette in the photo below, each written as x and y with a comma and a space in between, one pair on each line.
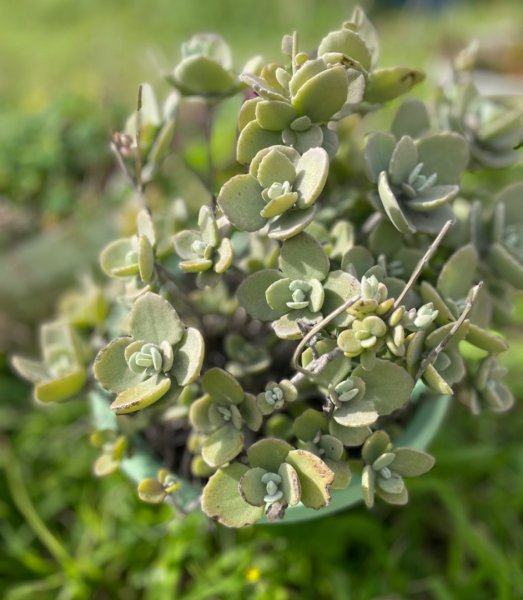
486, 389
61, 374
493, 129
245, 358
416, 179
279, 190
132, 257
205, 68
293, 109
300, 292
159, 352
279, 476
356, 46
221, 414
386, 466
205, 251
276, 396
312, 430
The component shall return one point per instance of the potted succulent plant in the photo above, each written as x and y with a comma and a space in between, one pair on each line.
285, 338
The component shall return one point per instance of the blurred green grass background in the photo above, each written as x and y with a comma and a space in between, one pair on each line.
66, 535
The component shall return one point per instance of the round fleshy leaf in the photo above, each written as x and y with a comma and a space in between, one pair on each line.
224, 256
114, 258
486, 340
412, 119
241, 201
302, 257
250, 413
332, 446
433, 198
287, 328
145, 258
357, 261
274, 115
342, 473
386, 84
431, 221
278, 294
208, 226
411, 463
61, 388
251, 487
221, 499
141, 395
368, 479
356, 413
252, 139
349, 436
339, 287
458, 274
403, 160
196, 265
275, 166
183, 242
315, 478
309, 424
510, 198
312, 101
151, 491
506, 265
222, 386
435, 381
188, 359
378, 151
375, 446
32, 370
290, 484
145, 226
290, 153
445, 154
291, 223
392, 207
388, 386
332, 373
111, 369
312, 171
398, 499
222, 446
248, 111
349, 43
154, 320
251, 294
279, 205
199, 414
268, 453
201, 74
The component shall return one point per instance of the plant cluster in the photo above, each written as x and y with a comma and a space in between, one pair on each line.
273, 335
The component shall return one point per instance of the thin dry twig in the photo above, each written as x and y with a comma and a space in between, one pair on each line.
433, 355
424, 261
316, 329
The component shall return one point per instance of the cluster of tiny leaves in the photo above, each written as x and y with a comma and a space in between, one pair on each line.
284, 323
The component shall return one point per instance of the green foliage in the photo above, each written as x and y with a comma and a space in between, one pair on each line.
364, 287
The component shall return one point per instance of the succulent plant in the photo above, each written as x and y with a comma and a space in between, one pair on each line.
416, 179
493, 129
159, 352
327, 314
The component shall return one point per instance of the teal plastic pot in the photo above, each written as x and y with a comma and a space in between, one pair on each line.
427, 420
